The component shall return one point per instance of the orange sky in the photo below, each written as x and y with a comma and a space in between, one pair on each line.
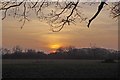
103, 32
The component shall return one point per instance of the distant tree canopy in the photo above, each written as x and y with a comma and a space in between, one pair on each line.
61, 53
58, 14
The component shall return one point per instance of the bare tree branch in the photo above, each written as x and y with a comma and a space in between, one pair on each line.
115, 10
7, 8
64, 13
100, 7
35, 4
24, 16
67, 20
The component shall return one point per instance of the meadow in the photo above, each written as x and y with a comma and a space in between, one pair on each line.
46, 68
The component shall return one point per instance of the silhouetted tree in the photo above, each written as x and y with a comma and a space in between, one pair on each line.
17, 49
62, 53
5, 51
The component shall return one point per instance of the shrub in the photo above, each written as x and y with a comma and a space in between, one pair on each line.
108, 61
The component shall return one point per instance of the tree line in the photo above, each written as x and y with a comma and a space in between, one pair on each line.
61, 53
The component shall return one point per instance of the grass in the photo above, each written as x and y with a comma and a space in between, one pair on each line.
59, 69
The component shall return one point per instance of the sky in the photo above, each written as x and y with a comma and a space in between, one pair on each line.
36, 34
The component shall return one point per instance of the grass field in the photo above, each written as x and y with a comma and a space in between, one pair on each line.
58, 69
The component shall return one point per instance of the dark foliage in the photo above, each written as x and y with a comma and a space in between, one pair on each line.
108, 61
63, 53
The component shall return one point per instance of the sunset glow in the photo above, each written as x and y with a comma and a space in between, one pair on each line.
55, 46
52, 51
37, 35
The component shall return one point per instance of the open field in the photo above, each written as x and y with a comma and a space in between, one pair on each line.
58, 69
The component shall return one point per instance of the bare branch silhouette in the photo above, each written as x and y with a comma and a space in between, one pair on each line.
100, 7
6, 8
57, 15
115, 10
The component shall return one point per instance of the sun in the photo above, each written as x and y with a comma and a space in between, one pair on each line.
54, 46
52, 51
